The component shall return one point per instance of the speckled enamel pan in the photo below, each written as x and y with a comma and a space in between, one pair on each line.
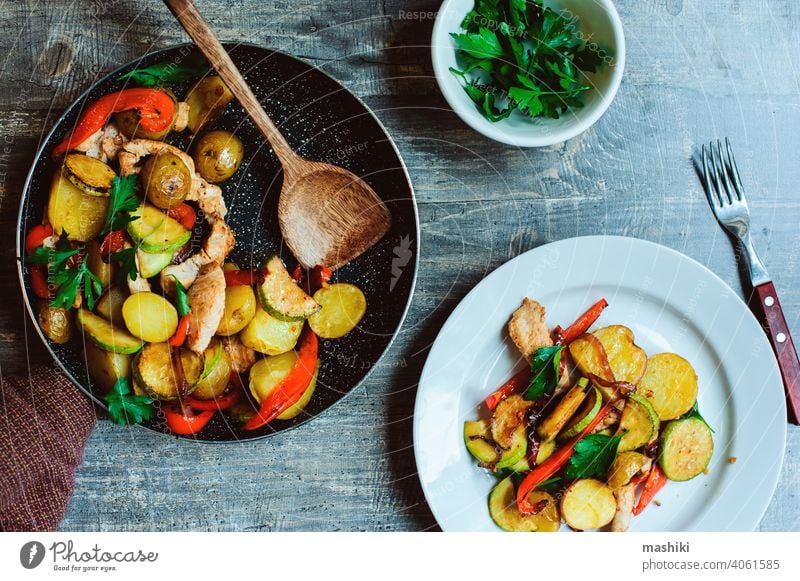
321, 120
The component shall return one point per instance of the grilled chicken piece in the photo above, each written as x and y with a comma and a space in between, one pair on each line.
134, 150
242, 357
216, 247
181, 117
103, 144
208, 196
622, 518
528, 328
207, 302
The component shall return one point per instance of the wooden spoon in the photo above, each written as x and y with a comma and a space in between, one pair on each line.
327, 214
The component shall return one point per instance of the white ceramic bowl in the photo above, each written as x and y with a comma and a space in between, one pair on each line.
599, 21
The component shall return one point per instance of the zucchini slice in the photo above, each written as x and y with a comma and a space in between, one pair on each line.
478, 439
282, 297
588, 504
108, 336
156, 232
153, 371
151, 263
584, 416
216, 373
266, 334
550, 427
507, 417
639, 423
686, 449
343, 307
150, 317
88, 174
504, 512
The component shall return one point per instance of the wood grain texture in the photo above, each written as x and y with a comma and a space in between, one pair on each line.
695, 71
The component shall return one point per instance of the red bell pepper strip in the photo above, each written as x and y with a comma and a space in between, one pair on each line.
113, 242
514, 385
242, 277
553, 464
184, 214
39, 281
184, 422
319, 277
580, 326
291, 389
156, 110
297, 274
655, 482
36, 236
222, 402
180, 333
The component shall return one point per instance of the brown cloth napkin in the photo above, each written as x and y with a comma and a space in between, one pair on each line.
44, 423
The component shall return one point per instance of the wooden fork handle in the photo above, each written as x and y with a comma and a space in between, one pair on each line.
200, 32
771, 316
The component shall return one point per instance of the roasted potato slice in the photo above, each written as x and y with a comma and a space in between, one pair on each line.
670, 384
590, 356
626, 359
588, 504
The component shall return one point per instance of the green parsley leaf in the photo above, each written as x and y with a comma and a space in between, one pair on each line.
695, 413
69, 278
519, 55
122, 199
545, 364
127, 258
481, 45
593, 456
124, 407
165, 72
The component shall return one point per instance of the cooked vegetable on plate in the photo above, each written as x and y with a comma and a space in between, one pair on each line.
592, 421
124, 265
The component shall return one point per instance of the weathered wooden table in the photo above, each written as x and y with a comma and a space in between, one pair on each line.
695, 71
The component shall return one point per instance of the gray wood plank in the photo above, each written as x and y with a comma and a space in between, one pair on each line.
695, 71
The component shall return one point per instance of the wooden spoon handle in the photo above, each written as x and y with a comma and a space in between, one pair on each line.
200, 32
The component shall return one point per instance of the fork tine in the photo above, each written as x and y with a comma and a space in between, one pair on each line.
721, 173
713, 199
737, 182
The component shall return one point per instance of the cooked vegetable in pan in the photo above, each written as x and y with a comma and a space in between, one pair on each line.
131, 263
593, 421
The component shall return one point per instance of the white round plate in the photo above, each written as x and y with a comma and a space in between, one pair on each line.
672, 303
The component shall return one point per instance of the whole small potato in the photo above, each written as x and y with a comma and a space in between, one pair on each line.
166, 180
56, 323
218, 155
128, 123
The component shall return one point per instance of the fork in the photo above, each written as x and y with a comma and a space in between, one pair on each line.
729, 204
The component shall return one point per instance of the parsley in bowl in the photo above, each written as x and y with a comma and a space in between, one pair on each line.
528, 73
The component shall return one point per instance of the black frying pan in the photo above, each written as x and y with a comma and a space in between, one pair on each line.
322, 121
